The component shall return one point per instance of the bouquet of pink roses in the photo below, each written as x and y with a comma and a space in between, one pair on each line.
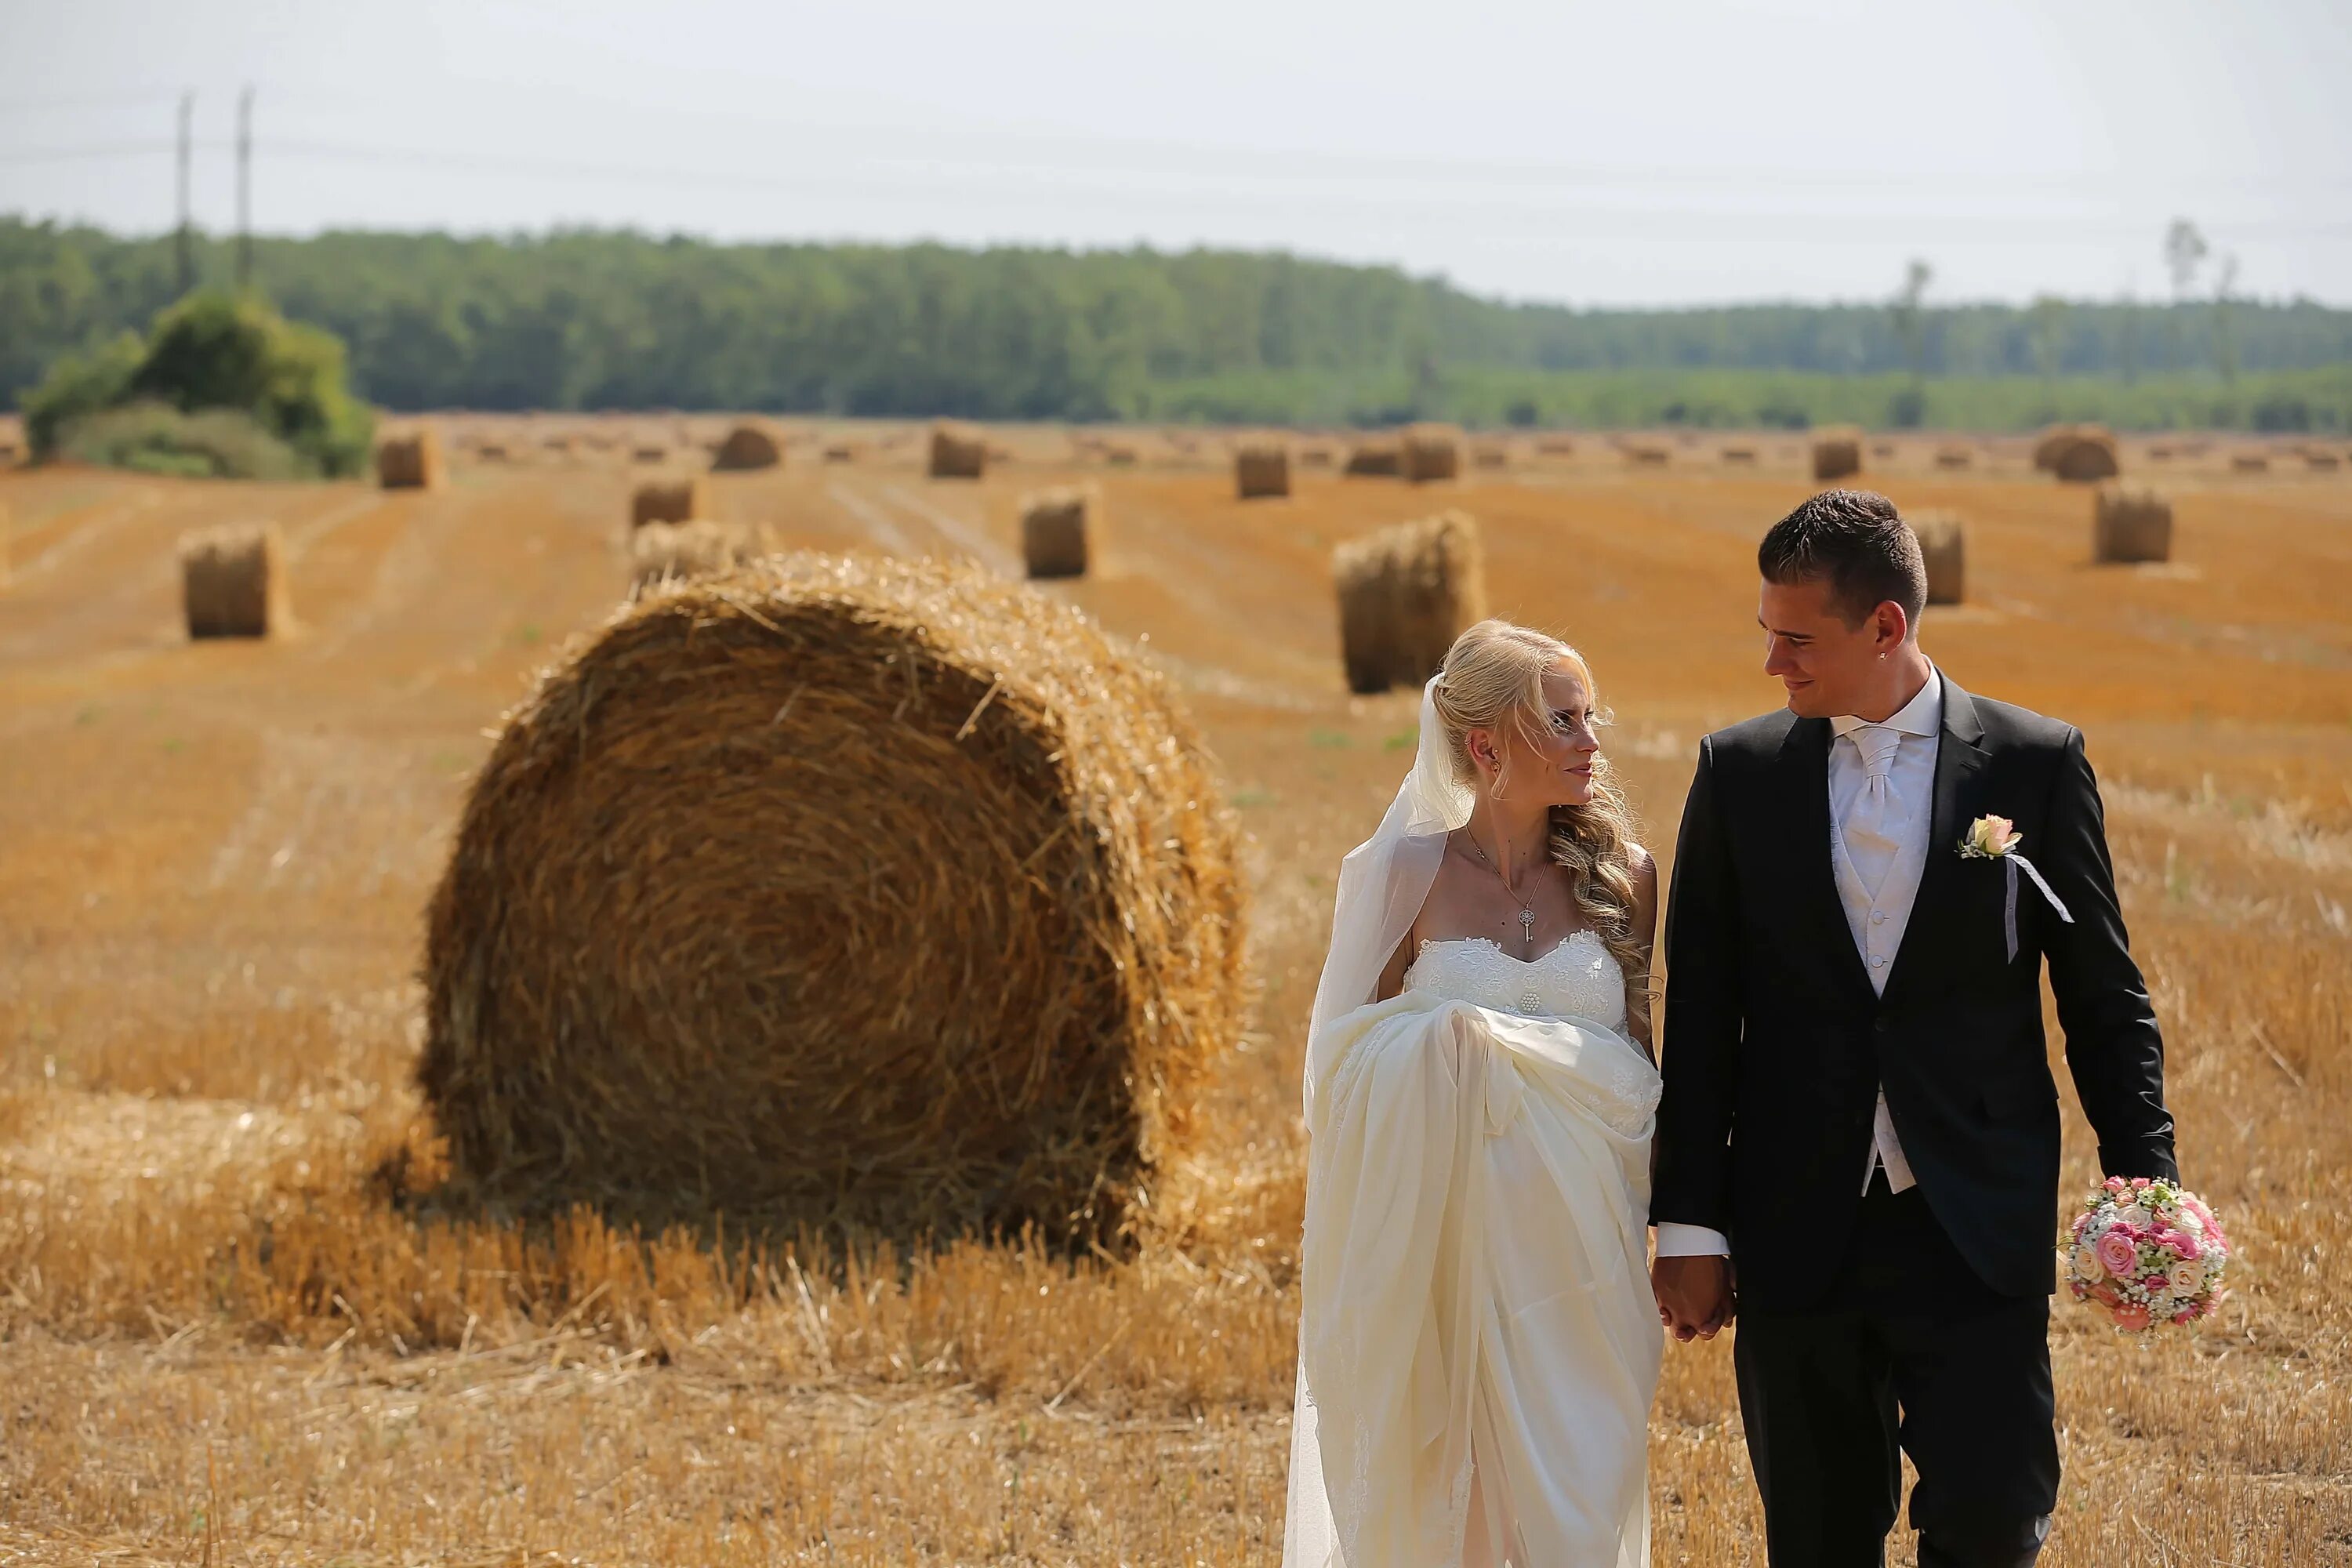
2146, 1253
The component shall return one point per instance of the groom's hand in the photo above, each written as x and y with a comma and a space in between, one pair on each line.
1695, 1295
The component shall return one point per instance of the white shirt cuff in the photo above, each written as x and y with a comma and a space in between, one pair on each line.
1691, 1241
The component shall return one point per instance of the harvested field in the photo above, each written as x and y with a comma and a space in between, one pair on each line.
234, 1325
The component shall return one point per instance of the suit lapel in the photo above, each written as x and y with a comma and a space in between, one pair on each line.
1804, 770
1959, 799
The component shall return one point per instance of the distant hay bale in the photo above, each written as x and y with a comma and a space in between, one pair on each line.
2087, 458
1837, 453
1381, 458
660, 552
233, 580
1556, 446
1262, 469
410, 462
1120, 457
1313, 456
999, 453
841, 452
1490, 455
1741, 454
2160, 452
649, 454
4, 557
747, 447
1648, 454
1953, 458
1882, 449
491, 452
2249, 463
1057, 531
1943, 542
1428, 453
557, 444
2081, 454
958, 451
2322, 462
1405, 593
670, 500
2131, 525
840, 892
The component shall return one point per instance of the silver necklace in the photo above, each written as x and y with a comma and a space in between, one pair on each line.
1527, 910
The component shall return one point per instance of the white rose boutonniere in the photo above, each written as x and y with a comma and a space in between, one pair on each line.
1997, 838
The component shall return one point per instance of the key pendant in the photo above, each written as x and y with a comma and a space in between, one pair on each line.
1526, 928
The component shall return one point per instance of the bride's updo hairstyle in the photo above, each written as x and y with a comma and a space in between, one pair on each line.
1492, 679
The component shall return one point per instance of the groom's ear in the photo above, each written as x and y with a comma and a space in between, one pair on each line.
1889, 626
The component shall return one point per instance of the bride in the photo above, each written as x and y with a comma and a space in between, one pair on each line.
1478, 1342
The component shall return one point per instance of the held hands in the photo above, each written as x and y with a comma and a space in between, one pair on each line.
1695, 1297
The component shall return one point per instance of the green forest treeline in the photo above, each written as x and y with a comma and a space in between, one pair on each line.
583, 320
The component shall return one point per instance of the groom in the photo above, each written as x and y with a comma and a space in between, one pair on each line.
1860, 1124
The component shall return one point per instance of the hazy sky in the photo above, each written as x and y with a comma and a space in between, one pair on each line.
1597, 155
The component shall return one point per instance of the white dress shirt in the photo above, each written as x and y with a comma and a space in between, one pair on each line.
1882, 797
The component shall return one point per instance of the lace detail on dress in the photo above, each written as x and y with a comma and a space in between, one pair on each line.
1577, 979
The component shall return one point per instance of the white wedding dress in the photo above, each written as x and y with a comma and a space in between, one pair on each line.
1478, 1343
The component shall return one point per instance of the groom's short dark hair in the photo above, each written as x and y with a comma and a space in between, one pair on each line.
1857, 543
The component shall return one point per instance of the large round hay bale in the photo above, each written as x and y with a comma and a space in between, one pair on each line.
670, 500
747, 447
1406, 592
2131, 525
1430, 452
1837, 453
410, 462
233, 580
2086, 456
1943, 543
1262, 469
836, 890
701, 548
1380, 458
958, 451
1057, 528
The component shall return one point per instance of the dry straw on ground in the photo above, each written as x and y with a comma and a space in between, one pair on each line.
410, 462
1262, 469
701, 548
233, 581
747, 446
1430, 452
2131, 525
836, 891
1837, 453
1057, 527
670, 500
1943, 543
1379, 457
1406, 593
958, 451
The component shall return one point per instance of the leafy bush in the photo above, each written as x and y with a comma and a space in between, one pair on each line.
76, 386
157, 439
210, 353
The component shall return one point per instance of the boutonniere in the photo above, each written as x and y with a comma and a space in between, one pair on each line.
1997, 838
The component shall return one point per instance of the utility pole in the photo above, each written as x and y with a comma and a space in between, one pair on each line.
245, 190
187, 239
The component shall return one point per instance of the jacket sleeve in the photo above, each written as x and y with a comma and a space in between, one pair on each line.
2112, 1047
1699, 1054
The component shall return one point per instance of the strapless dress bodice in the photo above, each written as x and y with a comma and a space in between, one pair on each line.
1577, 978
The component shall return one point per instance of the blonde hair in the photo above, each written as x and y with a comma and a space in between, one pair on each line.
1493, 677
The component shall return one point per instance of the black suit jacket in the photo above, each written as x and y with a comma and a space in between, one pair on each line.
1775, 1045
